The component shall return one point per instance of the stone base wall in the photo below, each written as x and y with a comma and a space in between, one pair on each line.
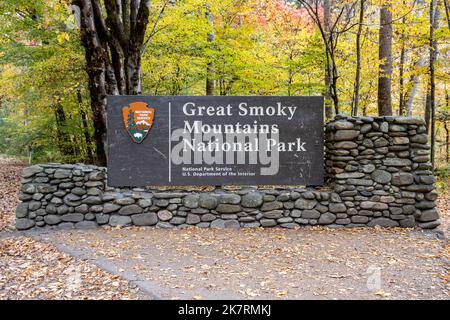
378, 173
382, 167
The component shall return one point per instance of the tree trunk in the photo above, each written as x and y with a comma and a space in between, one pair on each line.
447, 142
429, 100
133, 72
327, 93
427, 113
330, 36
415, 80
290, 78
447, 134
358, 59
96, 55
385, 56
334, 78
447, 12
210, 64
87, 135
401, 100
432, 85
113, 54
64, 142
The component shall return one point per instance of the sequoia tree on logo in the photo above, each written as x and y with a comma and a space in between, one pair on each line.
138, 119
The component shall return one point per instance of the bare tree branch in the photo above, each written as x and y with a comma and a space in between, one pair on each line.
153, 31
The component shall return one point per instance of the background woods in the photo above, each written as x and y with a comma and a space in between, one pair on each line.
59, 59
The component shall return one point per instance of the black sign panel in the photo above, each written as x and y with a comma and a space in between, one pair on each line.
181, 140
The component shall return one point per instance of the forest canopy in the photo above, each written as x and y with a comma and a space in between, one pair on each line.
337, 48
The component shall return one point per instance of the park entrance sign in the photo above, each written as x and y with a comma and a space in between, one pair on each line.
182, 140
378, 170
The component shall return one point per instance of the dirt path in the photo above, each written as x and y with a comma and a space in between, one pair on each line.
314, 263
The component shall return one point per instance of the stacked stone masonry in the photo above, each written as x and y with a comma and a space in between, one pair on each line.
378, 173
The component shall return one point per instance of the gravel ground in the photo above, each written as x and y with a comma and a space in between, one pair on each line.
310, 263
314, 263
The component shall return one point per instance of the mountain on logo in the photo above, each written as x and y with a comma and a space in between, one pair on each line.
143, 122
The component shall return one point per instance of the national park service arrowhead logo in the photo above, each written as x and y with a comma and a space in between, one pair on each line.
138, 119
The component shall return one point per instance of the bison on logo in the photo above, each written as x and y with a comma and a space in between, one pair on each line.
138, 119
